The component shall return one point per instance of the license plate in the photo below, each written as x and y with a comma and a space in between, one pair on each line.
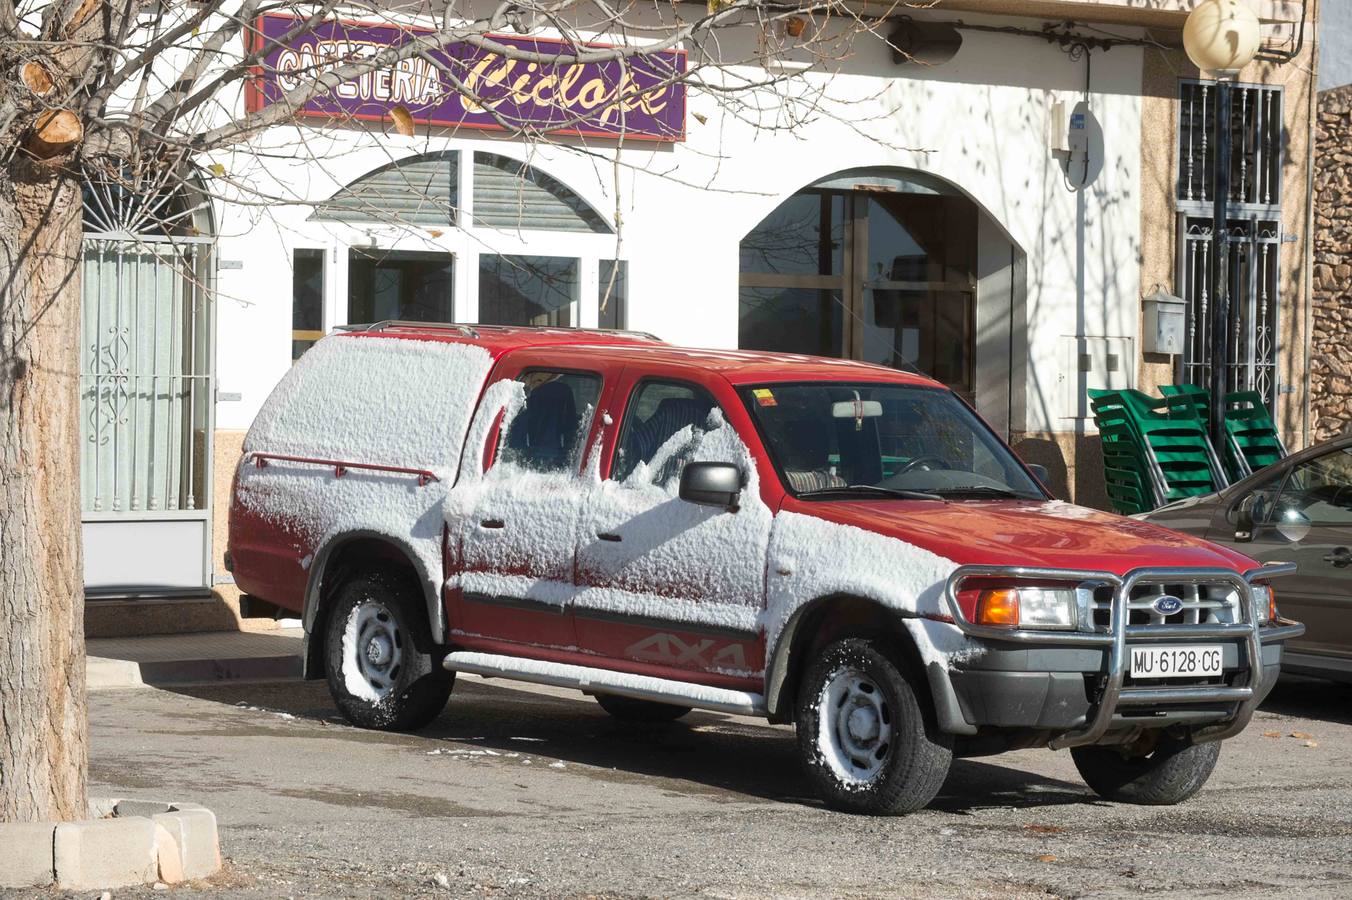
1196, 661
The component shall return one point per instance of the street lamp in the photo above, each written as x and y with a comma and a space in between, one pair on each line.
1221, 38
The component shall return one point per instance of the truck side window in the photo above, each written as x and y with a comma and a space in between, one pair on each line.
657, 410
549, 433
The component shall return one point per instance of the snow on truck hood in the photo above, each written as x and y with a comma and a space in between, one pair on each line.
1044, 534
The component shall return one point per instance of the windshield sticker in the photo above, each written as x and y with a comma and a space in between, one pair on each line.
764, 397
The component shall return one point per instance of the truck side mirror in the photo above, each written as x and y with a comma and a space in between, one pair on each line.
711, 484
1244, 518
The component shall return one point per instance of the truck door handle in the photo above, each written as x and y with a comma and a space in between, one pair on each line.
1340, 557
609, 536
491, 523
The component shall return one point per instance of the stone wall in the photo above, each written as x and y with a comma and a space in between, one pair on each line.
1331, 336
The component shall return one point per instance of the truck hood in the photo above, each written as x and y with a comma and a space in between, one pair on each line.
1042, 534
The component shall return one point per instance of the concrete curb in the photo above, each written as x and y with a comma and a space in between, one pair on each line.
103, 673
123, 843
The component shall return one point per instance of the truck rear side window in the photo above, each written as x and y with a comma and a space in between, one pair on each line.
549, 434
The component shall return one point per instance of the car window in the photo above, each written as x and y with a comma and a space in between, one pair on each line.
1319, 489
549, 433
661, 424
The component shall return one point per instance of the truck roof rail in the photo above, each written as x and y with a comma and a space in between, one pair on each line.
466, 330
472, 331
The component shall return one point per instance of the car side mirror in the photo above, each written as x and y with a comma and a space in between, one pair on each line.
711, 484
1040, 473
1244, 518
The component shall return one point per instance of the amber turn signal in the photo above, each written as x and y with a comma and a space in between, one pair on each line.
999, 607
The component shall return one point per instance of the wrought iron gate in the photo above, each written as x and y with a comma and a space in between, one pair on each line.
146, 404
1254, 235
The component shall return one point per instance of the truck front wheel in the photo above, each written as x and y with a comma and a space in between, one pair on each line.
863, 734
1169, 772
378, 654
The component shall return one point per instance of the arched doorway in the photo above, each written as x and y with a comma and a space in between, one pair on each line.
878, 265
146, 385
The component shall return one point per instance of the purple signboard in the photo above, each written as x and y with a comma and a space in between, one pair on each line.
468, 87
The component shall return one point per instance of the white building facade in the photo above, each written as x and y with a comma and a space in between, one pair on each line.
979, 219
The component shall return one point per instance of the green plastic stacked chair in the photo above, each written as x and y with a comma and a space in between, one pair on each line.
1252, 441
1132, 487
1155, 450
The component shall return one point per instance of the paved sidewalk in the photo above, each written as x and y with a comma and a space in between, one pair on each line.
193, 658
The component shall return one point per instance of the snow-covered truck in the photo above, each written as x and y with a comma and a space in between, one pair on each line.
842, 546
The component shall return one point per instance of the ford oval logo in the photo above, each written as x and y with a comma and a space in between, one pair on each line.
1167, 605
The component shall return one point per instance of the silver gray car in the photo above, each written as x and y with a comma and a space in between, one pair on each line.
1297, 510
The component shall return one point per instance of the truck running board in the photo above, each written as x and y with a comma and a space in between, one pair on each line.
604, 681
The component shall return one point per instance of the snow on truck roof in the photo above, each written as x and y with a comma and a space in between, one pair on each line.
737, 366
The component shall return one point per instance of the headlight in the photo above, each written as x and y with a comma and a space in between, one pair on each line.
1264, 604
1028, 607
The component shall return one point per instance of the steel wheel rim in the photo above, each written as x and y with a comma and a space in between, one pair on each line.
373, 647
854, 726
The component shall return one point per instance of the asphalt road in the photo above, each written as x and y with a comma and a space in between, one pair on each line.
522, 791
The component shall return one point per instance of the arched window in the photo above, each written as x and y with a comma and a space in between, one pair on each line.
876, 265
511, 194
420, 191
531, 249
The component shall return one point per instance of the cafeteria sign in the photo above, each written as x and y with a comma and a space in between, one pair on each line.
642, 98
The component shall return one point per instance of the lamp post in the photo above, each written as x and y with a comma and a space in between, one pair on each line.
1221, 38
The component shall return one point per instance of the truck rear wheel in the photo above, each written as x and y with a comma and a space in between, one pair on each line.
379, 657
1173, 770
864, 736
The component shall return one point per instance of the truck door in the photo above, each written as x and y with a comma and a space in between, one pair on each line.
665, 586
512, 534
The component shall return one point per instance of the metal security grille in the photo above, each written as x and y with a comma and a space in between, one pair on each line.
511, 195
419, 191
145, 379
1253, 236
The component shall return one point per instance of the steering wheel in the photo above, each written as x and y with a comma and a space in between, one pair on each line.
915, 462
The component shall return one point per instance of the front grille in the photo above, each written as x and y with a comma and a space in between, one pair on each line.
1203, 604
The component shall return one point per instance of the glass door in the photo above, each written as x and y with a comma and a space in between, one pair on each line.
884, 275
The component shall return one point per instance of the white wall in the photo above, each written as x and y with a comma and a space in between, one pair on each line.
979, 121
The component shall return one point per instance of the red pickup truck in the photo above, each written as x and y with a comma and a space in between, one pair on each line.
842, 546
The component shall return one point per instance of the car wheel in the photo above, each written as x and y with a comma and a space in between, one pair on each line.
379, 657
632, 710
864, 736
1172, 771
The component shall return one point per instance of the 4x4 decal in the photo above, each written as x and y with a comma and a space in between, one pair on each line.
670, 649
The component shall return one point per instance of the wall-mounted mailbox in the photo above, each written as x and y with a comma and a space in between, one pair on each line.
1165, 316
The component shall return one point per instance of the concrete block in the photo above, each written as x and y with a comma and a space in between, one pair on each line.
26, 854
170, 855
105, 853
195, 832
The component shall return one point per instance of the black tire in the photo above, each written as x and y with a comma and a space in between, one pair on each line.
894, 770
629, 709
1172, 772
409, 688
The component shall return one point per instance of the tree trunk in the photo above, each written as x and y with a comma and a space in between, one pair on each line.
43, 724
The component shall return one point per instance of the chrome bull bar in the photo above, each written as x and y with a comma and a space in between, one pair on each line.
1114, 697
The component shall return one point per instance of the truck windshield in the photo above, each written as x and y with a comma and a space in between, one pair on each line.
829, 439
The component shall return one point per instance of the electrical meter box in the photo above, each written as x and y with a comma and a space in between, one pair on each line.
1165, 315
